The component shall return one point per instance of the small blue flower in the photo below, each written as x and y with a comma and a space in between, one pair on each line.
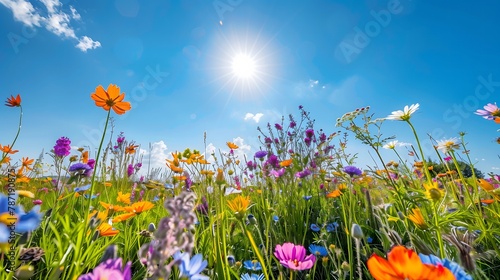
332, 227
369, 239
307, 197
191, 268
315, 227
82, 188
231, 260
318, 251
276, 218
455, 268
247, 276
252, 265
93, 196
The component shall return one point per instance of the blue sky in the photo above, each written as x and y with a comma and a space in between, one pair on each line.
173, 59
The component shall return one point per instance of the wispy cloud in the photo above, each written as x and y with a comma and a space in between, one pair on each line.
255, 117
54, 19
155, 156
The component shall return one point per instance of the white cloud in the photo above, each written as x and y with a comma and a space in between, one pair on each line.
242, 150
23, 11
85, 43
155, 156
54, 19
74, 13
256, 117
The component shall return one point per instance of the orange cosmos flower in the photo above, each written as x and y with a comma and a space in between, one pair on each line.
106, 229
403, 263
84, 157
334, 194
286, 163
111, 208
124, 198
139, 207
6, 160
13, 101
101, 215
111, 99
123, 217
232, 146
26, 164
130, 150
174, 164
8, 150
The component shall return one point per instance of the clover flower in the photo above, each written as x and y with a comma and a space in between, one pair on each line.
62, 147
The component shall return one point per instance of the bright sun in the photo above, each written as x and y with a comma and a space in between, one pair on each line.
243, 66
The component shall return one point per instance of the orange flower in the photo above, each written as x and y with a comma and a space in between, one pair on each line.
111, 99
111, 208
8, 150
84, 157
106, 229
207, 172
13, 101
232, 146
124, 198
101, 215
403, 263
139, 207
123, 217
417, 218
487, 186
130, 150
26, 163
286, 163
174, 164
6, 160
239, 205
334, 194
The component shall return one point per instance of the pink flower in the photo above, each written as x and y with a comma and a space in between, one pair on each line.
37, 201
490, 112
294, 256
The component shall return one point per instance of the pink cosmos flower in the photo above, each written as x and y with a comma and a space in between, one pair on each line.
490, 112
294, 256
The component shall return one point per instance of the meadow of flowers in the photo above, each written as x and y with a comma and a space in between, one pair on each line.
299, 208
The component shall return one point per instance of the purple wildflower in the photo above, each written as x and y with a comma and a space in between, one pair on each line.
292, 124
62, 147
202, 208
307, 140
130, 170
352, 170
110, 269
277, 173
91, 163
79, 167
260, 154
303, 173
273, 161
278, 126
309, 133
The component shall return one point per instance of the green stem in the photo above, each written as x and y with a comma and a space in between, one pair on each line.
426, 169
92, 182
438, 232
255, 249
4, 155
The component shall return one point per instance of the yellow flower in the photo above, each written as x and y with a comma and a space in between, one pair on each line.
239, 205
487, 186
26, 194
232, 146
417, 218
433, 192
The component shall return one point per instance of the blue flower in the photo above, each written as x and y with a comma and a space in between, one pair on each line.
247, 276
318, 251
191, 268
252, 265
93, 196
332, 227
307, 197
25, 222
369, 239
276, 218
260, 154
455, 268
82, 188
315, 227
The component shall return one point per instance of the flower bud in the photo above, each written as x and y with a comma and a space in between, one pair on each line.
356, 231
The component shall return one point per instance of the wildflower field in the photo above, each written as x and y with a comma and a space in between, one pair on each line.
300, 208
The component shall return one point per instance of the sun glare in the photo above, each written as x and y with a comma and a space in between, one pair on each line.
243, 66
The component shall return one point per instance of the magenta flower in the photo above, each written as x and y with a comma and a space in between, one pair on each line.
110, 269
294, 256
490, 112
62, 147
37, 201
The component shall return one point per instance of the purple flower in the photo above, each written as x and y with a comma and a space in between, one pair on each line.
110, 269
202, 208
62, 147
309, 133
352, 170
278, 126
490, 112
322, 137
307, 140
292, 124
303, 173
260, 154
294, 256
251, 165
277, 173
130, 170
91, 163
79, 167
